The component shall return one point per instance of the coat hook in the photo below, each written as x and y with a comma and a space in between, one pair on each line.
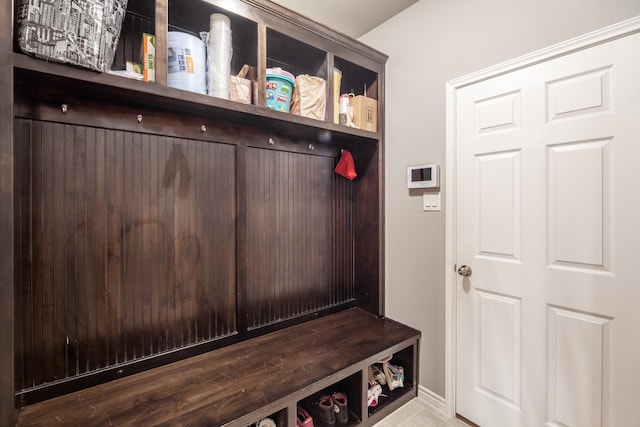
271, 141
64, 108
203, 128
312, 147
139, 118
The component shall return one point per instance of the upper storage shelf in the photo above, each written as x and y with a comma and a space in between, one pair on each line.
263, 36
295, 56
193, 17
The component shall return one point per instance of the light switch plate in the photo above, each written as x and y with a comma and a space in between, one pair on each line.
431, 201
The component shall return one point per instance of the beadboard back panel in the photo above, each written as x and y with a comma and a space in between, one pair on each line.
133, 245
127, 247
299, 228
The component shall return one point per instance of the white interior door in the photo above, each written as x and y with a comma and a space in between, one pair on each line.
548, 219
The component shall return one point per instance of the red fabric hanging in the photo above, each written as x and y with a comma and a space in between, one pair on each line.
345, 166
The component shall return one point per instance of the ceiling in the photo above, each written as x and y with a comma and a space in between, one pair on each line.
351, 17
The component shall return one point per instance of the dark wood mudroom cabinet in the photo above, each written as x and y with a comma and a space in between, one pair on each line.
144, 227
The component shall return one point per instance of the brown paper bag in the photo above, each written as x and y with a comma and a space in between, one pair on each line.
240, 86
309, 97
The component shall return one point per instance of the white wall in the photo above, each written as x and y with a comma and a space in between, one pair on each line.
428, 44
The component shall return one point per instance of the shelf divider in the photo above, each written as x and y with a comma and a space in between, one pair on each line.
162, 28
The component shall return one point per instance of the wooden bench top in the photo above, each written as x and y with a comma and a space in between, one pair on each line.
224, 385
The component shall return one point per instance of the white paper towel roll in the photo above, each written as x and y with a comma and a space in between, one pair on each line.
186, 62
219, 52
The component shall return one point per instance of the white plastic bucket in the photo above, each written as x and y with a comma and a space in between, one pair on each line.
186, 62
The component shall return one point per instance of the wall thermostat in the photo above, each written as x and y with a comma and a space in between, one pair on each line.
423, 176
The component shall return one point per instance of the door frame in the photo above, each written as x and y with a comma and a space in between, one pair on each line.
606, 34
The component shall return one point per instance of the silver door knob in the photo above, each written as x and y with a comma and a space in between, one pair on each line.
465, 271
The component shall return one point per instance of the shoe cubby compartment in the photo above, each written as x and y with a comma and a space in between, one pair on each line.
404, 358
351, 387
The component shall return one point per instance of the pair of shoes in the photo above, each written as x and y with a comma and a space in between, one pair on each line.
266, 422
378, 375
332, 409
371, 378
373, 394
394, 374
303, 419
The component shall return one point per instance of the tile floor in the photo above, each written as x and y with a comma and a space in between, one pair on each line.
418, 414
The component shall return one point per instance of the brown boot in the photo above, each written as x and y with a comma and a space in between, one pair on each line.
340, 408
325, 413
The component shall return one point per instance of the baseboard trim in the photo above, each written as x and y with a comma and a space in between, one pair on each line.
431, 399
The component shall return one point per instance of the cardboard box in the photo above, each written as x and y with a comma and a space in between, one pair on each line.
149, 57
132, 70
365, 113
82, 32
133, 67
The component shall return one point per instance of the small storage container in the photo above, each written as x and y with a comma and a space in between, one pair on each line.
186, 62
280, 85
83, 32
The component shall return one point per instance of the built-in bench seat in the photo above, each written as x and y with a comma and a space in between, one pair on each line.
242, 383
